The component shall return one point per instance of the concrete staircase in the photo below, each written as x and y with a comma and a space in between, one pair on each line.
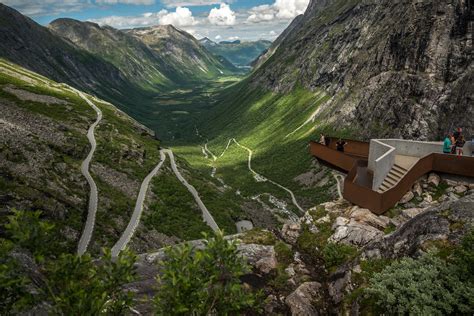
393, 177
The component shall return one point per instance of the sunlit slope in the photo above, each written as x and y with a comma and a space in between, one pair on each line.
277, 127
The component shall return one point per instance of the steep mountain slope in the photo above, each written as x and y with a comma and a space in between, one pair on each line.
348, 68
133, 57
237, 52
393, 68
182, 52
265, 55
43, 127
32, 46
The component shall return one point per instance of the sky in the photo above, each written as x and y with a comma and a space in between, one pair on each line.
217, 20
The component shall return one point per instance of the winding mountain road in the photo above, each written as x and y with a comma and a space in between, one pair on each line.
137, 212
93, 195
206, 215
293, 198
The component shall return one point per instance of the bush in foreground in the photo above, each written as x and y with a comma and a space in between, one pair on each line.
203, 281
428, 285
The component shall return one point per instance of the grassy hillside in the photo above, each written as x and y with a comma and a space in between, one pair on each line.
43, 131
277, 127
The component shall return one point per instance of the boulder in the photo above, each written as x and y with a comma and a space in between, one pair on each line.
265, 265
434, 179
365, 216
290, 232
355, 233
431, 224
409, 213
427, 198
417, 189
301, 301
451, 183
407, 197
258, 255
460, 189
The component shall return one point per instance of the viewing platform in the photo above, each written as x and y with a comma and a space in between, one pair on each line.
381, 172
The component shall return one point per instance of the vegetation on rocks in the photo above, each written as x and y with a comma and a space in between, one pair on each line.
35, 274
204, 281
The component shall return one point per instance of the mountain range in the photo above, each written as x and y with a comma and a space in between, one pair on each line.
239, 53
120, 66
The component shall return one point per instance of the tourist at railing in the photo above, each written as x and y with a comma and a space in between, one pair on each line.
453, 143
460, 141
340, 145
322, 140
448, 143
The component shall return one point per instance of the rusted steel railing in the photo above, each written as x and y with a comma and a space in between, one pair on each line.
377, 202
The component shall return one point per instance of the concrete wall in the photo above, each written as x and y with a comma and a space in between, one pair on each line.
382, 154
381, 160
420, 149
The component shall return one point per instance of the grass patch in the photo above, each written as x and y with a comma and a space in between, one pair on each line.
284, 253
335, 255
390, 229
259, 236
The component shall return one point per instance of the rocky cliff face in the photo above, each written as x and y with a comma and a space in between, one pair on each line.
394, 68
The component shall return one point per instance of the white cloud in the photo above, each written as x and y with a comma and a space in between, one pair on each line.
233, 38
222, 15
218, 37
281, 9
261, 13
181, 17
289, 9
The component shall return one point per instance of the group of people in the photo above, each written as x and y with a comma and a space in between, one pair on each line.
340, 144
454, 143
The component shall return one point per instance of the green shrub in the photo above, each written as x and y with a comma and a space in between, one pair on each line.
336, 254
426, 286
28, 231
203, 282
77, 285
13, 294
71, 284
284, 253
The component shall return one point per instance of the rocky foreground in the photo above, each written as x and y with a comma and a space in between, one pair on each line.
294, 266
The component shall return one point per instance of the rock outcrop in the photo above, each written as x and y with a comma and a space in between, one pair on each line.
407, 63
